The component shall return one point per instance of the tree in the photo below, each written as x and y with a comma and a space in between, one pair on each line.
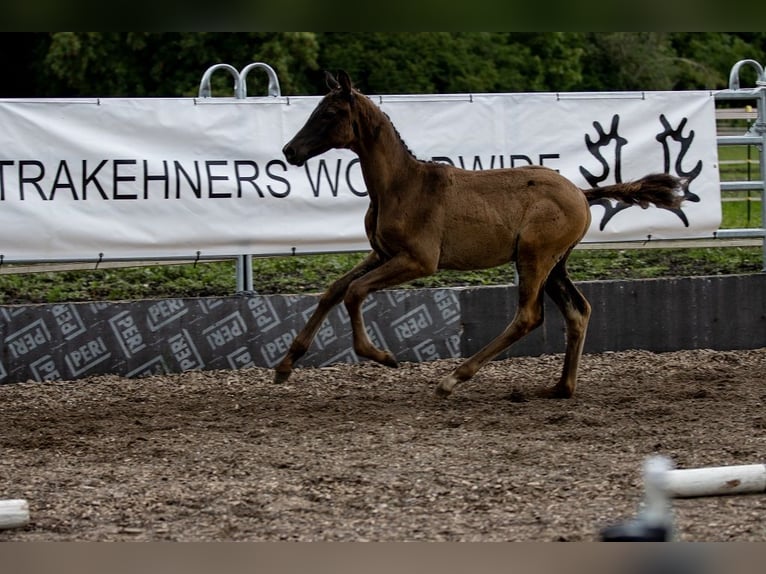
444, 62
705, 58
620, 61
140, 64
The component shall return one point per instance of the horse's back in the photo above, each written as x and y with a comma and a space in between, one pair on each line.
518, 193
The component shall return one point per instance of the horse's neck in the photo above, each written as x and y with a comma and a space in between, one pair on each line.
384, 158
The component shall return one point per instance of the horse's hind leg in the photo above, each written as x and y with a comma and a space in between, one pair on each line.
331, 297
529, 316
576, 311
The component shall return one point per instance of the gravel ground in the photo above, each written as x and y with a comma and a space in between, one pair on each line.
362, 452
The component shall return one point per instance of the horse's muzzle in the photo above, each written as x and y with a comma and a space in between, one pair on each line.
292, 156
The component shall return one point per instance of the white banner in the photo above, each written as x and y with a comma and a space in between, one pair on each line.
141, 178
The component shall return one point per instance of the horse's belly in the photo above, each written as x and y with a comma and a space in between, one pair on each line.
478, 250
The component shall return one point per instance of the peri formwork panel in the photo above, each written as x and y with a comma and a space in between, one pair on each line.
135, 338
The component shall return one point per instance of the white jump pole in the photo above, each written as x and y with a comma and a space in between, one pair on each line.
14, 513
662, 483
716, 481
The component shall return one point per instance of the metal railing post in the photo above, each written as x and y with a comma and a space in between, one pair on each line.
244, 263
755, 136
761, 126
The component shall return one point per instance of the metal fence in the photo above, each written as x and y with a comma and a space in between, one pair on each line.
244, 269
755, 137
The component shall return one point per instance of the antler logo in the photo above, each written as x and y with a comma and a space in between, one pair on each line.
606, 139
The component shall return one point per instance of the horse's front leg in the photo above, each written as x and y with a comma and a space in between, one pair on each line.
331, 297
400, 269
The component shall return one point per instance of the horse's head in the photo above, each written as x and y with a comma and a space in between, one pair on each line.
330, 125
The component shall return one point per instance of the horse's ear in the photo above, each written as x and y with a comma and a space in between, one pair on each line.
331, 82
345, 81
346, 84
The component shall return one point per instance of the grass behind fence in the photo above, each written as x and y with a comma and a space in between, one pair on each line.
741, 209
739, 163
312, 273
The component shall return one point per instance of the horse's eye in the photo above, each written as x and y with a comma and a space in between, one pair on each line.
335, 112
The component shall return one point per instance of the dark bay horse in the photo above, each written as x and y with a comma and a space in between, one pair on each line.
425, 216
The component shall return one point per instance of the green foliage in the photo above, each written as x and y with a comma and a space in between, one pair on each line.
629, 61
651, 263
142, 64
119, 284
313, 273
445, 62
705, 58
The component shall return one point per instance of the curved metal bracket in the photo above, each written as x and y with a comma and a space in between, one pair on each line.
274, 89
240, 79
204, 85
734, 74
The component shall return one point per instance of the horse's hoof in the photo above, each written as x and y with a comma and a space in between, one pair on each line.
281, 376
445, 388
390, 361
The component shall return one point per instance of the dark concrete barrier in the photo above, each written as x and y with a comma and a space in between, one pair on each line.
721, 312
135, 338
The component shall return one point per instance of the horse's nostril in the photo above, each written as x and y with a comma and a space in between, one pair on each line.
289, 152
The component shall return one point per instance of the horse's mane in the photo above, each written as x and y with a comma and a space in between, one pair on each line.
396, 131
399, 137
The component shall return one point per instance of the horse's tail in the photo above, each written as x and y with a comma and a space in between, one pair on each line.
661, 189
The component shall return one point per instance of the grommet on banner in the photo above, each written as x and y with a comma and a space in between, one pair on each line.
100, 259
197, 259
